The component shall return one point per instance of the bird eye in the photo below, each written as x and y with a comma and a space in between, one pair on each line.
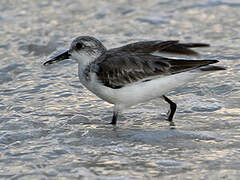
79, 45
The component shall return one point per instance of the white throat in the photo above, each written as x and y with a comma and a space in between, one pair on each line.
83, 59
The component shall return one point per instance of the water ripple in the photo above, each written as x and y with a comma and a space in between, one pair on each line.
51, 127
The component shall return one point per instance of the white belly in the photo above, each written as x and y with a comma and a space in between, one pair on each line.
139, 92
146, 91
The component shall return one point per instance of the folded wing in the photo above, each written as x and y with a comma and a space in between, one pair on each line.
121, 69
171, 47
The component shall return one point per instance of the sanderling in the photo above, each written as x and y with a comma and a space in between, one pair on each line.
134, 73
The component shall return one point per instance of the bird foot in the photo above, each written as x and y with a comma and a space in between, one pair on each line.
172, 125
112, 123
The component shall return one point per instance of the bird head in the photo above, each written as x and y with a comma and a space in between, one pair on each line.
83, 49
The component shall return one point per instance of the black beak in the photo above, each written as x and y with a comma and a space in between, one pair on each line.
57, 57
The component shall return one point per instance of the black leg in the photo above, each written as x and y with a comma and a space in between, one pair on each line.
173, 107
114, 118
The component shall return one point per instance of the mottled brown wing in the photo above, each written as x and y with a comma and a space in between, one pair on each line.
171, 47
120, 69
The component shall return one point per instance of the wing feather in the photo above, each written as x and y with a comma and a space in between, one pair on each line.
171, 47
121, 69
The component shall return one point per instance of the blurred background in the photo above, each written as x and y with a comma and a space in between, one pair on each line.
51, 127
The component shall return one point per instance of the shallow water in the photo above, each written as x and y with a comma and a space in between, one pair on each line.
53, 128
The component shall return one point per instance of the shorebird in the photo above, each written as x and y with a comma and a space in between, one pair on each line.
134, 73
